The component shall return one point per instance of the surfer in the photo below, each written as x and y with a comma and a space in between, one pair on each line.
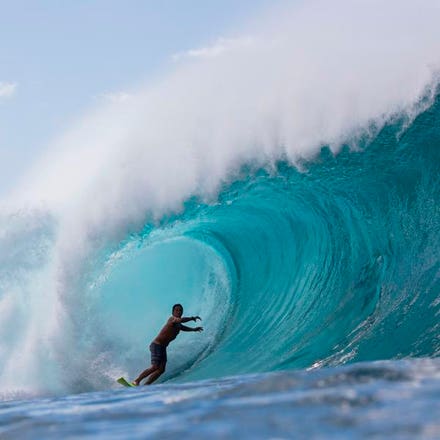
158, 347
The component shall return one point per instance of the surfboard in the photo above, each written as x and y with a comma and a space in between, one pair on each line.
125, 382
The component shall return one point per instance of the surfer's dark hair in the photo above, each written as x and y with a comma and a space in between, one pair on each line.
177, 305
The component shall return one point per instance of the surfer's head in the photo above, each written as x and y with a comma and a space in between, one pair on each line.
177, 310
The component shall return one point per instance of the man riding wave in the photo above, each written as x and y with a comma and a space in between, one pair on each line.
158, 347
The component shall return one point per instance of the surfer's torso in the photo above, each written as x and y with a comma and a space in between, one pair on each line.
168, 332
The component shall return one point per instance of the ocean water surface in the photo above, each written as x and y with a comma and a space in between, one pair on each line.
397, 399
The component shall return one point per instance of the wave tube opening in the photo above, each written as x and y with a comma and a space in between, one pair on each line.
124, 308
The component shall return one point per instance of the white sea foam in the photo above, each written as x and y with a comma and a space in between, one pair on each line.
308, 75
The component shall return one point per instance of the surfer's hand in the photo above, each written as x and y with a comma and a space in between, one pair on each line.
198, 329
195, 318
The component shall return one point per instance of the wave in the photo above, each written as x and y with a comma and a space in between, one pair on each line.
295, 211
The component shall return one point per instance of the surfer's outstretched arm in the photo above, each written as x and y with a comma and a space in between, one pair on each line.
184, 328
185, 319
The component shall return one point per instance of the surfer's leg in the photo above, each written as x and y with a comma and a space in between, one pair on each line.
156, 374
158, 357
145, 373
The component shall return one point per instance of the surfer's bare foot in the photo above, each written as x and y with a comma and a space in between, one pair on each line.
135, 383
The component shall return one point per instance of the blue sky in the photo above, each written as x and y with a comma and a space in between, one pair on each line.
58, 58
